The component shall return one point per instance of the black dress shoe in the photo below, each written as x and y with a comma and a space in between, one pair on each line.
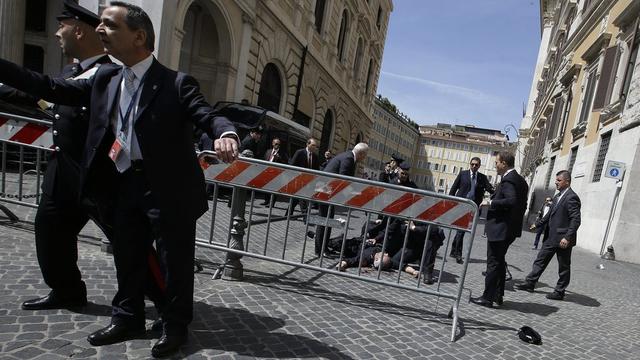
482, 302
428, 278
167, 345
526, 287
156, 326
459, 259
499, 300
53, 301
556, 295
114, 334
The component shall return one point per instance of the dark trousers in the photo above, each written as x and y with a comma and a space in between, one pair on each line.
538, 235
321, 233
366, 259
542, 260
138, 222
294, 202
458, 244
57, 225
496, 269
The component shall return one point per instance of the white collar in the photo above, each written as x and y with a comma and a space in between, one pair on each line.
142, 67
86, 62
508, 171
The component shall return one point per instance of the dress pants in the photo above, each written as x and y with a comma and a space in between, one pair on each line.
57, 225
139, 222
321, 232
458, 244
496, 269
542, 260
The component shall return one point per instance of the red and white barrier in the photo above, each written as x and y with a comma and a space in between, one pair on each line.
27, 133
353, 193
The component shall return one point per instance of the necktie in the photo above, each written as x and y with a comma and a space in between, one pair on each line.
309, 161
123, 162
273, 155
556, 198
472, 190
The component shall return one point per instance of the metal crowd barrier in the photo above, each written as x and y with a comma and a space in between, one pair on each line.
359, 200
24, 142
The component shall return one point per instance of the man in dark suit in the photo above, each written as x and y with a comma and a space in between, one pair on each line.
139, 150
251, 141
560, 226
469, 184
343, 164
328, 155
306, 158
503, 226
274, 154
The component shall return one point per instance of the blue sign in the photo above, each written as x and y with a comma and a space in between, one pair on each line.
614, 172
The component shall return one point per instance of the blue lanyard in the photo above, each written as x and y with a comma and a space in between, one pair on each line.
124, 120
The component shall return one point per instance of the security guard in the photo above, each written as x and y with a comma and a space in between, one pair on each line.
60, 216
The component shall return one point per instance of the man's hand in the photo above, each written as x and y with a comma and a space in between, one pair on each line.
533, 226
226, 148
564, 243
371, 241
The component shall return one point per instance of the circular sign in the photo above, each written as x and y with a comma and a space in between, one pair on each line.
614, 172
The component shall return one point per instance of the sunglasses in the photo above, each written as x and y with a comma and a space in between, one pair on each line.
475, 164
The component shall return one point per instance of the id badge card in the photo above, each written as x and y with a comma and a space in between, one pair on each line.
118, 144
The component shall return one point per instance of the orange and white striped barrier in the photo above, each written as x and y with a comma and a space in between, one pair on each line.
344, 191
34, 133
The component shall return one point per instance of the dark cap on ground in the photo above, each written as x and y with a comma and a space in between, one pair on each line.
527, 334
71, 10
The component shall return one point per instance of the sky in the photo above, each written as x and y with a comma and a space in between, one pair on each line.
464, 62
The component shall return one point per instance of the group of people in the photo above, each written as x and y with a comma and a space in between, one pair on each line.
124, 156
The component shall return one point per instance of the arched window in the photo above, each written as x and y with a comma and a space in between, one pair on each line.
344, 23
270, 89
357, 64
319, 13
327, 130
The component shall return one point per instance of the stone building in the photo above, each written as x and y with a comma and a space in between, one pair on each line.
583, 113
444, 150
314, 61
391, 133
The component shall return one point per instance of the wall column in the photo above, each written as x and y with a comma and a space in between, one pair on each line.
12, 22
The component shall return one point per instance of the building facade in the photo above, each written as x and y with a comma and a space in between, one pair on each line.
391, 134
314, 61
444, 150
583, 113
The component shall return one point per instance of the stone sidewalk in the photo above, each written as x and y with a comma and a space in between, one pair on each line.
280, 312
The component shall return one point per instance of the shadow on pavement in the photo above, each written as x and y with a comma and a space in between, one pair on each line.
305, 289
530, 308
244, 333
580, 299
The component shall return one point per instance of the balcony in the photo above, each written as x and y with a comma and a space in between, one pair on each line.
578, 131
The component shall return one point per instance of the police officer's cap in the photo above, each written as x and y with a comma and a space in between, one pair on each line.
258, 129
527, 334
72, 10
404, 166
397, 159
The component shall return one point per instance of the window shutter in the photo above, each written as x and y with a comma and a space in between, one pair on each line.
604, 84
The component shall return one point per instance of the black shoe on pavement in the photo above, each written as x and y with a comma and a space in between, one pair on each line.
527, 286
555, 295
114, 333
53, 301
482, 302
499, 300
459, 259
167, 345
428, 278
311, 234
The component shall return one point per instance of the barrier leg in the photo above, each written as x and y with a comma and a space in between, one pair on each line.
454, 324
232, 266
12, 217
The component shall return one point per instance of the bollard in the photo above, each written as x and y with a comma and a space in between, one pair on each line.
232, 265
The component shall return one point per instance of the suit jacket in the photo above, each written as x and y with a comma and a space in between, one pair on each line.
170, 104
462, 185
248, 143
562, 220
69, 125
280, 157
300, 159
343, 163
508, 205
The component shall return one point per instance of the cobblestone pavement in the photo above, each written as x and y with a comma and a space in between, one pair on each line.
281, 312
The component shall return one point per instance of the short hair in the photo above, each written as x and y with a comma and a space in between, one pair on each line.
476, 158
310, 139
138, 19
360, 147
276, 138
566, 175
508, 158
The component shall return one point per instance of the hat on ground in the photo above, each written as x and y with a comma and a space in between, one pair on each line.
404, 166
71, 10
529, 335
397, 159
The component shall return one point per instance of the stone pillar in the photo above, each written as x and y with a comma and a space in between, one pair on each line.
243, 59
12, 19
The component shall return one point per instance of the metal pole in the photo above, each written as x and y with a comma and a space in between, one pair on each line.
611, 214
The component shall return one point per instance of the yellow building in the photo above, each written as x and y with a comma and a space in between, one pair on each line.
445, 150
391, 133
583, 112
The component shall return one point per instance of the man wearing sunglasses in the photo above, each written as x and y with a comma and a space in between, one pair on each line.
470, 184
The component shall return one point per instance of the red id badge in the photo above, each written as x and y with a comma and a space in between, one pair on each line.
116, 147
